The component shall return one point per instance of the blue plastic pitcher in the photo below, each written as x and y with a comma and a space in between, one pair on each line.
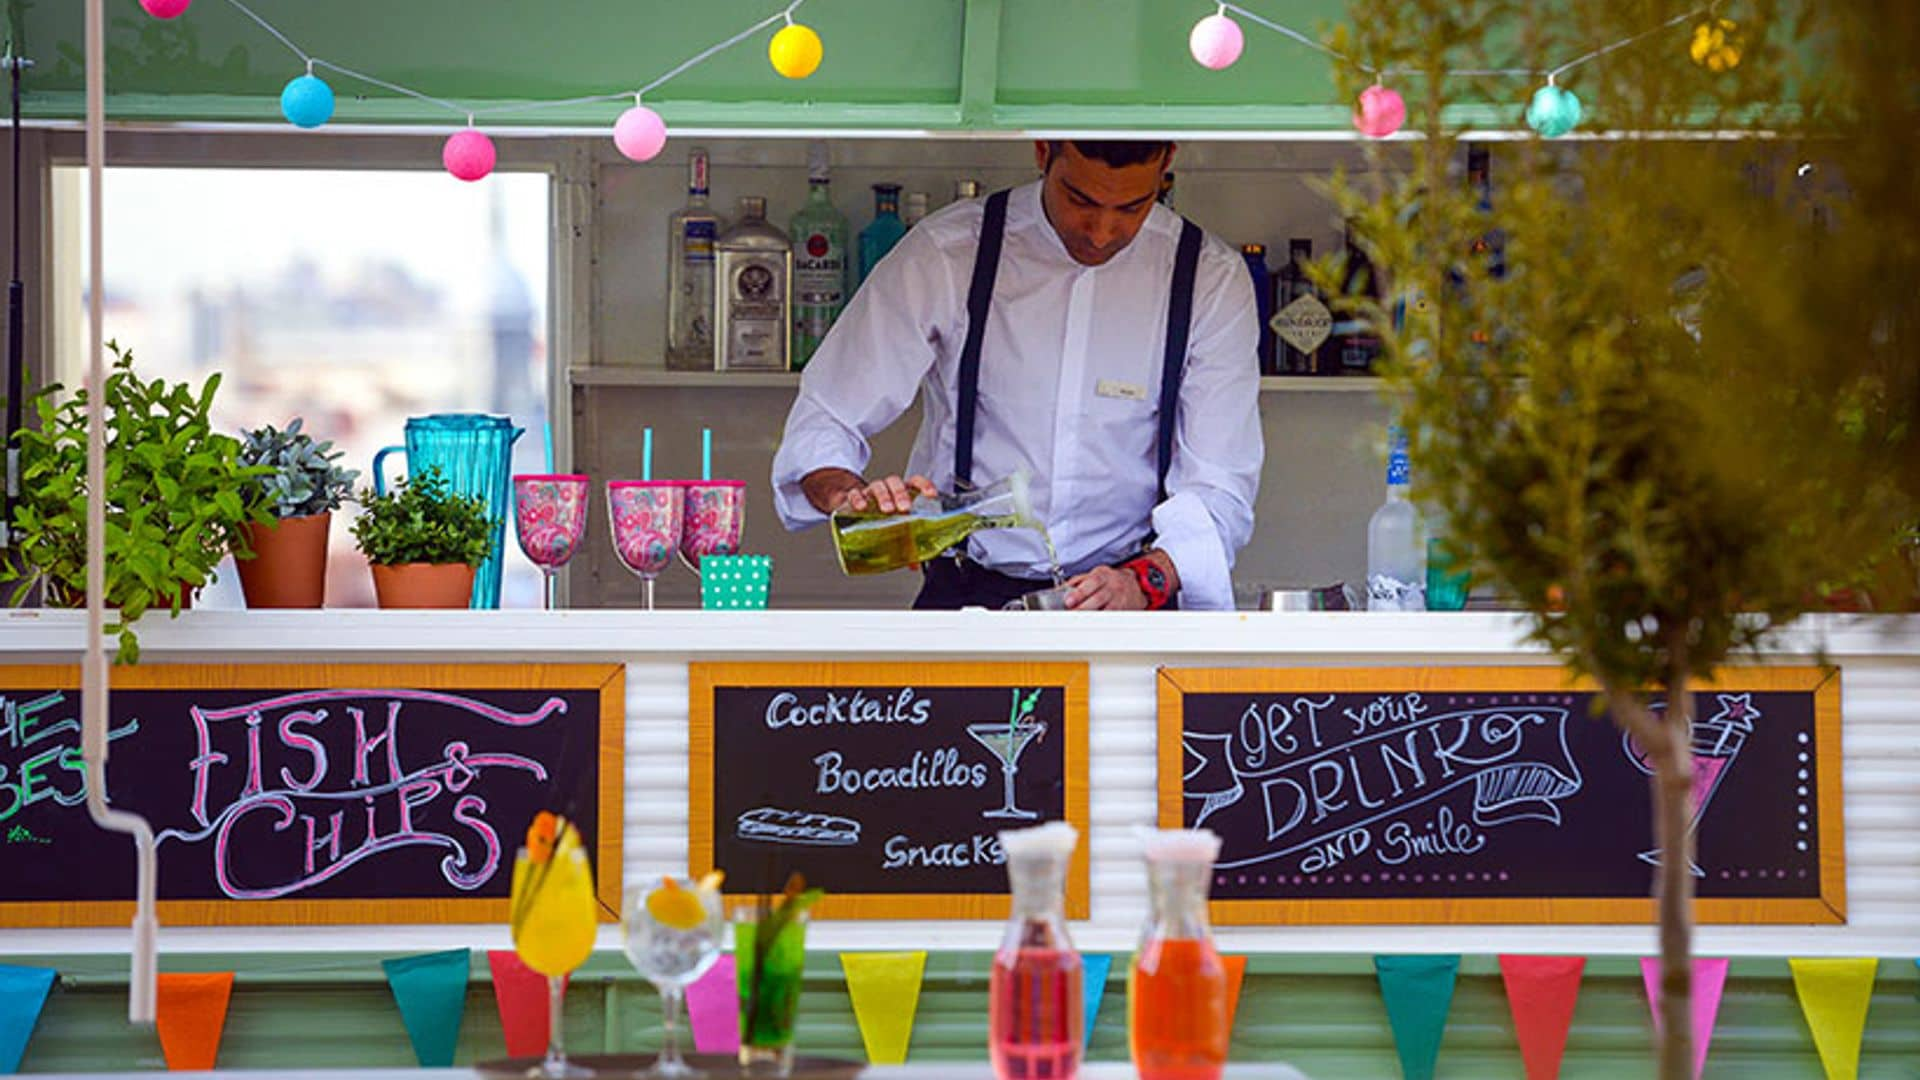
475, 453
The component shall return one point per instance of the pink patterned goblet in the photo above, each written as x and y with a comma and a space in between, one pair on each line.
549, 517
646, 525
716, 516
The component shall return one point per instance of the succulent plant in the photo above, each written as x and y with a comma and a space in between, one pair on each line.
305, 479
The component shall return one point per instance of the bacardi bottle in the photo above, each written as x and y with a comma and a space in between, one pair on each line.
691, 231
753, 304
819, 234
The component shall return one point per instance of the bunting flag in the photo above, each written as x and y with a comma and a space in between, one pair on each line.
1418, 991
1094, 969
191, 1012
1834, 995
713, 1009
431, 991
885, 988
1236, 974
1541, 991
23, 991
1709, 979
520, 993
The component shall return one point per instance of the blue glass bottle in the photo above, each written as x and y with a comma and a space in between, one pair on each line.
884, 231
1256, 257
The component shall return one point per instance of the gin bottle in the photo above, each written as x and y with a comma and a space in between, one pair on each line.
884, 231
691, 231
753, 305
1303, 321
819, 235
1396, 550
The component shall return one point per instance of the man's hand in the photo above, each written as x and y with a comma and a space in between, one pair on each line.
1105, 588
831, 490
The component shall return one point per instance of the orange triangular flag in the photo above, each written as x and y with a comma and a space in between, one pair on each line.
191, 1012
1541, 991
1236, 973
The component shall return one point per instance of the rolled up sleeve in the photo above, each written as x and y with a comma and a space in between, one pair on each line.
1214, 477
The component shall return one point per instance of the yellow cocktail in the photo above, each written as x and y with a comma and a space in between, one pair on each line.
552, 915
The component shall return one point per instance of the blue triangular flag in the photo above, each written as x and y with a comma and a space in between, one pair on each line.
1418, 991
1093, 983
431, 990
23, 990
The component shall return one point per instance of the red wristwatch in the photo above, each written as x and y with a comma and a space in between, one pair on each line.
1153, 581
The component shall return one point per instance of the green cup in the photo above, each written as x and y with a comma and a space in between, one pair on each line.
769, 961
1449, 580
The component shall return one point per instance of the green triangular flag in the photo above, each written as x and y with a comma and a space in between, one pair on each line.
431, 990
1418, 991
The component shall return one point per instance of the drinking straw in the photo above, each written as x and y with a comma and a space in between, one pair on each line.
706, 453
646, 454
549, 428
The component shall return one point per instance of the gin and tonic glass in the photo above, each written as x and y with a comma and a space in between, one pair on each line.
672, 935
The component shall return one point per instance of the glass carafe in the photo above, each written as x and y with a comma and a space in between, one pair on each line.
1177, 1023
870, 542
1034, 1021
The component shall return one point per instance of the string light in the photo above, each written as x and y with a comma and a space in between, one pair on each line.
1216, 41
1554, 111
469, 154
165, 9
307, 101
1381, 112
640, 133
795, 51
1716, 44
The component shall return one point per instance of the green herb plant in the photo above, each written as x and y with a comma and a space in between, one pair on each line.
304, 479
423, 521
176, 500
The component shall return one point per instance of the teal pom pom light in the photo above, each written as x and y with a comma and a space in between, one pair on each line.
307, 102
1553, 112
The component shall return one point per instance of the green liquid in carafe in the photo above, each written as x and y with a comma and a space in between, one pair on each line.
878, 543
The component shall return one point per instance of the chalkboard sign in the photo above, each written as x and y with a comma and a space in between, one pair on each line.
305, 793
1497, 795
887, 784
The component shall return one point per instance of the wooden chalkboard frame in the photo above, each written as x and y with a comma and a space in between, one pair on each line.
608, 679
1829, 907
703, 678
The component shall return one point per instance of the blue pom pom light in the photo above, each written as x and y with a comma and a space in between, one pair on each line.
1553, 112
307, 102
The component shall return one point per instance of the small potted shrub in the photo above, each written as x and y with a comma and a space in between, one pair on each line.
177, 497
423, 542
289, 564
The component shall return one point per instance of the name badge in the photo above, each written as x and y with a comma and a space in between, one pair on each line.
1115, 389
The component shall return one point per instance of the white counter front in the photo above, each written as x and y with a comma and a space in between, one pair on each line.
1879, 659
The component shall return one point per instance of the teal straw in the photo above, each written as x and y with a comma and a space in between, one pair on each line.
646, 455
549, 428
706, 453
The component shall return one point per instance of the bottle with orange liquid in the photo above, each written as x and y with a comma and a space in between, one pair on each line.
1034, 1025
1177, 1020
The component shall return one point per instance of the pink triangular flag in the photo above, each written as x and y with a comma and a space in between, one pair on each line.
1709, 979
520, 993
1541, 991
713, 1009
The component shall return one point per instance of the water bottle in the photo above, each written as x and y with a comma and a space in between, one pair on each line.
1396, 548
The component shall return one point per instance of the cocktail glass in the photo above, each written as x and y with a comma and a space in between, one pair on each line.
647, 516
716, 516
553, 909
672, 935
768, 963
550, 518
1007, 742
1715, 742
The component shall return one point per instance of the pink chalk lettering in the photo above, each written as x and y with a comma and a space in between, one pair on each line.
202, 764
295, 740
332, 841
362, 745
468, 811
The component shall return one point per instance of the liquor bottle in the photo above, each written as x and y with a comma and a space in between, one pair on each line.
1355, 344
1302, 322
753, 302
915, 209
966, 189
1166, 190
690, 234
1491, 245
884, 231
1396, 550
1034, 999
1256, 259
819, 236
874, 543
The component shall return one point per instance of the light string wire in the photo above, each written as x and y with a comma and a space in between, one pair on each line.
1549, 73
784, 14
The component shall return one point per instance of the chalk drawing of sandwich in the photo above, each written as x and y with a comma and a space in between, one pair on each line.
771, 825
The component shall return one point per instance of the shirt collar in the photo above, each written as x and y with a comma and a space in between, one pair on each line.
1025, 212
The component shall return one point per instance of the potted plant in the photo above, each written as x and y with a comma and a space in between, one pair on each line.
423, 542
304, 487
177, 497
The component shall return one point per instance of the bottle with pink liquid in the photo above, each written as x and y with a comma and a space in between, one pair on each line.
1034, 1002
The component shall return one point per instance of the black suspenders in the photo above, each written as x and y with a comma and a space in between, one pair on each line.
986, 266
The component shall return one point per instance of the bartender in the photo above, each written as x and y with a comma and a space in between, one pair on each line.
1072, 328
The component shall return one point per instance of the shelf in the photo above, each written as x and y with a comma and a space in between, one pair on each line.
647, 376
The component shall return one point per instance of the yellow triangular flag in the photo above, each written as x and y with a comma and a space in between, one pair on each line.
885, 988
1834, 995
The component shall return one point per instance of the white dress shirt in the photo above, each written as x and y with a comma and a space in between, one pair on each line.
1069, 391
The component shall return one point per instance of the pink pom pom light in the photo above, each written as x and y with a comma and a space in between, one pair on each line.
1381, 112
468, 154
166, 9
640, 133
1216, 42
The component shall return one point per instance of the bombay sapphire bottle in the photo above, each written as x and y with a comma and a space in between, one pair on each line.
884, 231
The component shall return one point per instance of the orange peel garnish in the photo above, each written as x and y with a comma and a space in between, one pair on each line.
542, 835
712, 880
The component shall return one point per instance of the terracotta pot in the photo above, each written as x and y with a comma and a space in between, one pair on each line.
423, 585
289, 567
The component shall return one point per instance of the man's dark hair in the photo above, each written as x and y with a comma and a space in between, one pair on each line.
1114, 153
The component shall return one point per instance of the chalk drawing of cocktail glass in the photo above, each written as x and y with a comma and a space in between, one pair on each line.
647, 517
1007, 742
716, 518
1716, 741
549, 518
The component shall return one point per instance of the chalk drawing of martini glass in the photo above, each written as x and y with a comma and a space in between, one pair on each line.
1716, 741
1007, 742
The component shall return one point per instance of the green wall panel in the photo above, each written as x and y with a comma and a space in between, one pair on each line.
1320, 1013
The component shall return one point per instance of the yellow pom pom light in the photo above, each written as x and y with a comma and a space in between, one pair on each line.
795, 51
1716, 45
